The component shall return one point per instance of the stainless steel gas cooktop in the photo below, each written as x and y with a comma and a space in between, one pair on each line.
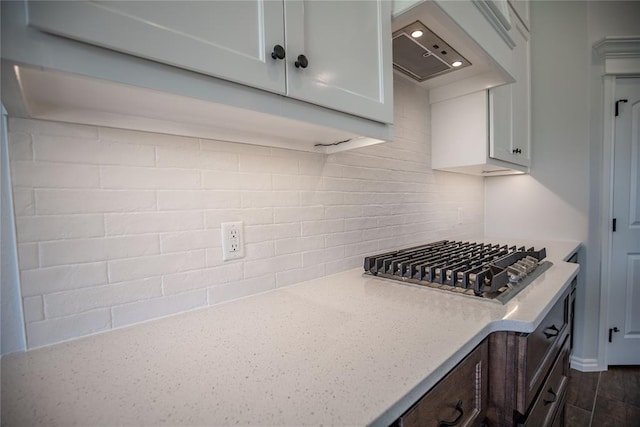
483, 270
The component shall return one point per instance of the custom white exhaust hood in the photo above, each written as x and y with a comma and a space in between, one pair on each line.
442, 43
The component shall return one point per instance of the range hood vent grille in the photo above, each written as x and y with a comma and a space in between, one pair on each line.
423, 57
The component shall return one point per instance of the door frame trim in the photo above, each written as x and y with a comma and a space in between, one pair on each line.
621, 58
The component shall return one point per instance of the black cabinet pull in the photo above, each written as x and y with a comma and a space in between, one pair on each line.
278, 52
554, 333
302, 62
458, 418
554, 397
517, 151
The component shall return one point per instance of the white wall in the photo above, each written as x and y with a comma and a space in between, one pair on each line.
560, 199
117, 227
12, 337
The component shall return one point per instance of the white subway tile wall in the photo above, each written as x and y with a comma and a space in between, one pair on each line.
117, 227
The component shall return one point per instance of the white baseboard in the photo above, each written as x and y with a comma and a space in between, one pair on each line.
586, 365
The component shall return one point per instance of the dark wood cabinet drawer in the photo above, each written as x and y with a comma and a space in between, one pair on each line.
551, 397
460, 397
529, 359
537, 351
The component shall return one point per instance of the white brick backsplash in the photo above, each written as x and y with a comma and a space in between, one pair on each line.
33, 309
28, 255
343, 212
98, 249
252, 163
342, 239
235, 180
258, 216
296, 182
64, 328
311, 228
364, 248
136, 138
24, 202
261, 199
312, 166
312, 243
360, 223
364, 199
157, 307
340, 184
80, 300
380, 233
272, 265
54, 279
190, 240
288, 246
92, 201
20, 146
321, 256
107, 245
203, 278
295, 214
285, 278
197, 199
239, 289
152, 222
190, 159
322, 198
41, 228
259, 250
214, 257
79, 150
260, 233
132, 177
377, 210
343, 264
55, 175
156, 265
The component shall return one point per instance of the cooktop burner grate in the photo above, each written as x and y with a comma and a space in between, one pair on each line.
483, 270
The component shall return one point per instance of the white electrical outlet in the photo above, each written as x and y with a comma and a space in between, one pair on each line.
232, 240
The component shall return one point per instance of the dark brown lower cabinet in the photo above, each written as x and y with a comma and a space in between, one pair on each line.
460, 398
510, 379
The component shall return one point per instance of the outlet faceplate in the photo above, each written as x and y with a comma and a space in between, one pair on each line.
232, 240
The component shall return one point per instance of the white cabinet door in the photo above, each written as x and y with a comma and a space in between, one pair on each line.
348, 48
232, 40
510, 108
522, 96
501, 122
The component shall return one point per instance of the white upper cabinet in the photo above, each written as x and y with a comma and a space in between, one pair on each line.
462, 137
344, 46
227, 39
488, 132
510, 107
347, 49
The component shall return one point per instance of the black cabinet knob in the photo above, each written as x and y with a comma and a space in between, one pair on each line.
278, 52
302, 62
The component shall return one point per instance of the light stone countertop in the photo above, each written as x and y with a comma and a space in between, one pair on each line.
347, 349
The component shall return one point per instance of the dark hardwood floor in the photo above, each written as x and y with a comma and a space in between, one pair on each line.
602, 399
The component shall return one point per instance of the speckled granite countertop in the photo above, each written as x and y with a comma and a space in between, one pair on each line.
346, 349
